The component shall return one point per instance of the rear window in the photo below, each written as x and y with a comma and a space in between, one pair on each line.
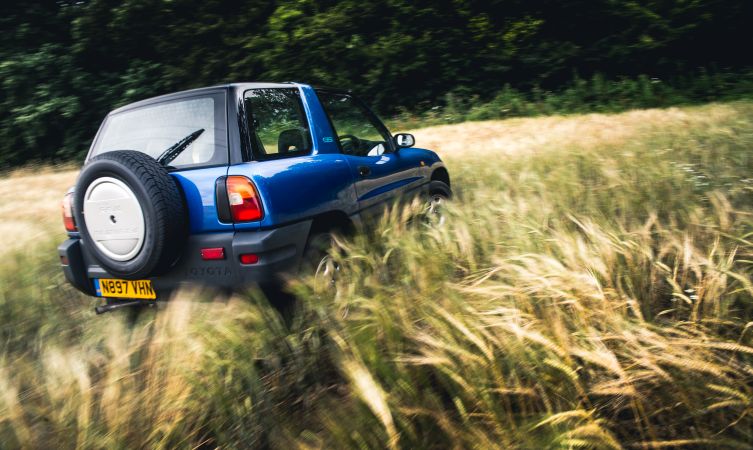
152, 129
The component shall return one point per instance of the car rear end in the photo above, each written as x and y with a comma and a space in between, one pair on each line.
103, 229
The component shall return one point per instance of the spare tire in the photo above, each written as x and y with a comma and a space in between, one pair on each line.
130, 213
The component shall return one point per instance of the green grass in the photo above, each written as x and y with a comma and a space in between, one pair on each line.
595, 295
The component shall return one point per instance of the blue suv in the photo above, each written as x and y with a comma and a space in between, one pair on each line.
231, 185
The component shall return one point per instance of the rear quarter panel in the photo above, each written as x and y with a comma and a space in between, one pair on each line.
293, 189
198, 187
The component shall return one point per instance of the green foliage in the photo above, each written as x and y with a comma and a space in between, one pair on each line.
581, 96
65, 64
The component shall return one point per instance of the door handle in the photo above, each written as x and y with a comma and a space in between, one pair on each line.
364, 171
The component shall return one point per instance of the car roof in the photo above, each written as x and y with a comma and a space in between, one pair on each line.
203, 90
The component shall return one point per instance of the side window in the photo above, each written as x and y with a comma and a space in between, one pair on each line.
277, 123
357, 130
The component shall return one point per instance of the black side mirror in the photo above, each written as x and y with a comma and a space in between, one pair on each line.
404, 140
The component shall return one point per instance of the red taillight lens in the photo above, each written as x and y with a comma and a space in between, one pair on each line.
68, 220
245, 205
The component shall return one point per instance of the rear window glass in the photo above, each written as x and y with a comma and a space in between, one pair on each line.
154, 128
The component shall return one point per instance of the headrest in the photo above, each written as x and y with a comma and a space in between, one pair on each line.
292, 140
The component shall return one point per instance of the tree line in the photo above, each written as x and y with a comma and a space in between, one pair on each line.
64, 64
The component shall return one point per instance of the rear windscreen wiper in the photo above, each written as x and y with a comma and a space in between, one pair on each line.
174, 150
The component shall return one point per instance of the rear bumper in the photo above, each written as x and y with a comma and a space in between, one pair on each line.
279, 251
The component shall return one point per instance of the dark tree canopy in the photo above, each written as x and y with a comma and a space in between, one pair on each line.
64, 63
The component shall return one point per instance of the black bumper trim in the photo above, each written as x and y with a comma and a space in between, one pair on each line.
279, 250
71, 251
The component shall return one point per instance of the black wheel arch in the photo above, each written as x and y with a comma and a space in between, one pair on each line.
332, 221
441, 174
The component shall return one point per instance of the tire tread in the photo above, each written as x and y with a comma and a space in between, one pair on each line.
170, 219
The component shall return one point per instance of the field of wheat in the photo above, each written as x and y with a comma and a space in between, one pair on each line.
590, 288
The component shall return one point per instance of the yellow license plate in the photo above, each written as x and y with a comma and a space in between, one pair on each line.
108, 287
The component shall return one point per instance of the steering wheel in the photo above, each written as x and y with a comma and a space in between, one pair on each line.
351, 145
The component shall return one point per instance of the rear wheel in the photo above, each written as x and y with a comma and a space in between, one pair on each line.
316, 261
319, 262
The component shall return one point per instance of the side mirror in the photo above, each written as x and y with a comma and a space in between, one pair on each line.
404, 140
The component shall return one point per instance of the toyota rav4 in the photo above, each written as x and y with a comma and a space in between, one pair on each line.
231, 185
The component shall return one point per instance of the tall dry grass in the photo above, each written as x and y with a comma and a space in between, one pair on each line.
590, 288
30, 207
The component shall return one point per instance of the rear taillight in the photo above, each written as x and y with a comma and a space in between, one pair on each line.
68, 220
245, 205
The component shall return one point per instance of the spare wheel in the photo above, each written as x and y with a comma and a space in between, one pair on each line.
130, 213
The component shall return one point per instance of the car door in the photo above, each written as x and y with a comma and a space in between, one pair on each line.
381, 174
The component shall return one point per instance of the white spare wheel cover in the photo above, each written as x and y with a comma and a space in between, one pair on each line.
114, 218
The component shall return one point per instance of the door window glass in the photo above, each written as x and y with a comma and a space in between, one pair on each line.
357, 131
276, 123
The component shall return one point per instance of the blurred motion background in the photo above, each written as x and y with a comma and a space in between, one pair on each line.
65, 64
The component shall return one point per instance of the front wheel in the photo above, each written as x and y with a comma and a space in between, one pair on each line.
439, 193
